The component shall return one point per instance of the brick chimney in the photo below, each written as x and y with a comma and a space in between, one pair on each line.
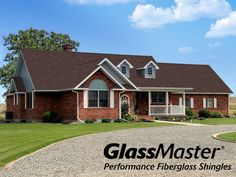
68, 48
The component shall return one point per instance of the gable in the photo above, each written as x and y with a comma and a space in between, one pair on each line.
22, 77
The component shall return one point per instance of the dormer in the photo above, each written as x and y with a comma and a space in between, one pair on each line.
125, 67
149, 70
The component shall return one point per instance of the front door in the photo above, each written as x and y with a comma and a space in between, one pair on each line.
141, 106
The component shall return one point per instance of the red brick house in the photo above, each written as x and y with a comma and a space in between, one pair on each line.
81, 86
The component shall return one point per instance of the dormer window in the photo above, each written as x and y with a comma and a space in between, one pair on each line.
125, 67
150, 72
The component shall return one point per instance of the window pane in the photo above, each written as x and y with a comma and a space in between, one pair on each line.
158, 98
187, 103
103, 99
149, 71
29, 100
93, 98
210, 102
123, 70
98, 84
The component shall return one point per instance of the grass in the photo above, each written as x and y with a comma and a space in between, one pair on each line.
215, 121
19, 139
228, 136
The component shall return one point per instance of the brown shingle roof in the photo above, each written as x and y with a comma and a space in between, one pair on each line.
63, 70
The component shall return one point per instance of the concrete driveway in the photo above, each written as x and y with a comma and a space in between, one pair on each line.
83, 156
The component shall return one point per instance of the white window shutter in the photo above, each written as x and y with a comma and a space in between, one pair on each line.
180, 101
215, 102
112, 99
85, 98
191, 102
204, 102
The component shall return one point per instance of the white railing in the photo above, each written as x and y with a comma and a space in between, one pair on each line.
162, 110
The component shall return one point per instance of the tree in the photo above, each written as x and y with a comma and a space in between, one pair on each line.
30, 39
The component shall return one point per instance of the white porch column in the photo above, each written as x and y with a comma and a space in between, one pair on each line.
167, 103
149, 103
183, 103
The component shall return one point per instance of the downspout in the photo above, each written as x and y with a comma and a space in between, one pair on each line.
77, 106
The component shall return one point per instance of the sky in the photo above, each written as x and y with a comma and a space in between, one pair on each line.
173, 31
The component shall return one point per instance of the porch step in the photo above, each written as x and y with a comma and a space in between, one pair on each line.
145, 117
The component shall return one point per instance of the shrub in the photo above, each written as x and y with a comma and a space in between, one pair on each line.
204, 113
216, 115
106, 120
51, 117
119, 121
23, 121
130, 117
124, 109
89, 121
189, 112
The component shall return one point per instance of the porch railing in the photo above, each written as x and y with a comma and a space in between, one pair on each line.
162, 110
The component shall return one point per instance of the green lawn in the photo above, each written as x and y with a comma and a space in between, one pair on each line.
18, 139
215, 121
228, 136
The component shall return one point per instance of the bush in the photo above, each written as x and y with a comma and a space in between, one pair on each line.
119, 121
204, 113
89, 121
216, 115
23, 121
189, 112
130, 117
51, 117
106, 120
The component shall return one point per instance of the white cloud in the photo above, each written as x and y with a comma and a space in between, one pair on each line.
185, 50
223, 27
214, 45
99, 2
149, 16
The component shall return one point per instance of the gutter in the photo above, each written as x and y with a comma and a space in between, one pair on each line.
77, 106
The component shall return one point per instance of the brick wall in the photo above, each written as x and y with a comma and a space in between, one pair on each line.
222, 102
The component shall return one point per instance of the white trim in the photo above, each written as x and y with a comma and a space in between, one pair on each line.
27, 70
204, 103
112, 78
191, 102
118, 71
32, 100
150, 62
215, 103
112, 99
85, 94
164, 88
92, 73
184, 103
14, 99
149, 103
207, 93
167, 103
69, 89
128, 63
25, 101
180, 101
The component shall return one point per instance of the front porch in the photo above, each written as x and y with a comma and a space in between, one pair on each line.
153, 103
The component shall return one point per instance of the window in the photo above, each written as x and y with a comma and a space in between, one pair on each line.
149, 70
187, 103
124, 69
210, 103
29, 100
98, 94
158, 98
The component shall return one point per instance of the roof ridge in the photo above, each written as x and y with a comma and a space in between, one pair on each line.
97, 53
190, 64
